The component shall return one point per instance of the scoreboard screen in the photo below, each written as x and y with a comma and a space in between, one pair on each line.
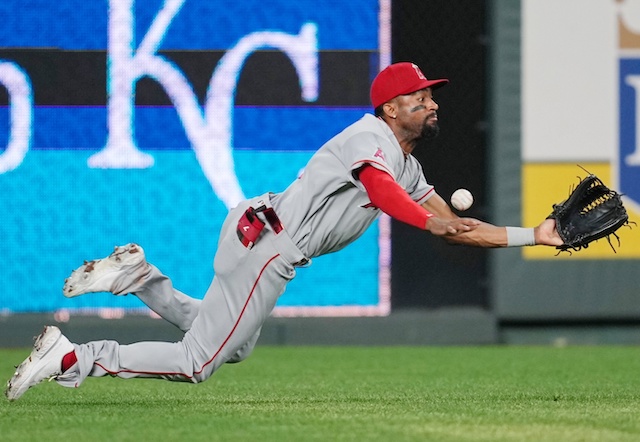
145, 122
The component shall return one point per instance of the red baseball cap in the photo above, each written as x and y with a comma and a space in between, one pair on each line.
400, 79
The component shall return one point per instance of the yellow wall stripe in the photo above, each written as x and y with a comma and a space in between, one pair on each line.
549, 183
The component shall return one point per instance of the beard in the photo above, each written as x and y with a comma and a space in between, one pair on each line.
430, 131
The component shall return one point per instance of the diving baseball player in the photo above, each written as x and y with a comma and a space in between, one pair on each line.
363, 171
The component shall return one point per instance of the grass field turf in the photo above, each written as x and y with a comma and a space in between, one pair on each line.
352, 393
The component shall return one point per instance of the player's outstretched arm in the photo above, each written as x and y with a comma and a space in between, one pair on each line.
436, 216
485, 234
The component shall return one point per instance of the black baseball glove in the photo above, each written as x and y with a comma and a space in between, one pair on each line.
591, 212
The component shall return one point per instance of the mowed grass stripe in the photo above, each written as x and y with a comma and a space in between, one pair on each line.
353, 393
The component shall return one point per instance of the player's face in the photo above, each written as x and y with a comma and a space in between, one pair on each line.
418, 113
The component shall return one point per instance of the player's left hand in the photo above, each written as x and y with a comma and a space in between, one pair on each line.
451, 227
546, 233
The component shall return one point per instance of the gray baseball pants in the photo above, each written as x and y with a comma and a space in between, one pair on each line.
223, 327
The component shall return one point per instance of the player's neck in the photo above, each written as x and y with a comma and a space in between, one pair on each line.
407, 145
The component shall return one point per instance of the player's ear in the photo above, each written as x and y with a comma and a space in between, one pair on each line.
390, 109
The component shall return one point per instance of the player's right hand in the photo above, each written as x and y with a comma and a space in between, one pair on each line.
451, 227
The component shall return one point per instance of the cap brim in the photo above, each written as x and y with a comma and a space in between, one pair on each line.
424, 84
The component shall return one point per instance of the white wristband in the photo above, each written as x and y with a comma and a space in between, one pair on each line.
520, 236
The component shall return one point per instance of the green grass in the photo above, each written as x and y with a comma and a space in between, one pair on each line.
361, 394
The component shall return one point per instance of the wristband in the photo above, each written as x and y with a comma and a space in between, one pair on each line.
520, 236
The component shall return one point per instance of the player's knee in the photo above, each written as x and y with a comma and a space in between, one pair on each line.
202, 373
243, 353
202, 376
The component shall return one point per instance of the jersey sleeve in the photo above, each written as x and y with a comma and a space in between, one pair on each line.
369, 148
388, 196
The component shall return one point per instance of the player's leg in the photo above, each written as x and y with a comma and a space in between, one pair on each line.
225, 330
241, 296
244, 351
158, 293
127, 271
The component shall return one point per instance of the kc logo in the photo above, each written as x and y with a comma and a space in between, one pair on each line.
208, 128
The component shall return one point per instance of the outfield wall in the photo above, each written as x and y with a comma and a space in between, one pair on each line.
537, 87
559, 99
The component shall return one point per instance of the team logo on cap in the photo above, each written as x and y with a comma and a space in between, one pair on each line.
418, 72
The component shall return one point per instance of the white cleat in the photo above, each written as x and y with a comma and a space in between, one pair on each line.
44, 362
118, 273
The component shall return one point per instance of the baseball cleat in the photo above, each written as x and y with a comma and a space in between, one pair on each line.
117, 273
44, 362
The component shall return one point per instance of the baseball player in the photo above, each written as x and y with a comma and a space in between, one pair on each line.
363, 171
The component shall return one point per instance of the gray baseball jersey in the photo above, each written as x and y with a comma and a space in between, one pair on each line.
321, 212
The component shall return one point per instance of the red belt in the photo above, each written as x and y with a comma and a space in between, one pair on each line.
250, 226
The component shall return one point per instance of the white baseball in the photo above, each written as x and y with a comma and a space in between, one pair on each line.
461, 199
